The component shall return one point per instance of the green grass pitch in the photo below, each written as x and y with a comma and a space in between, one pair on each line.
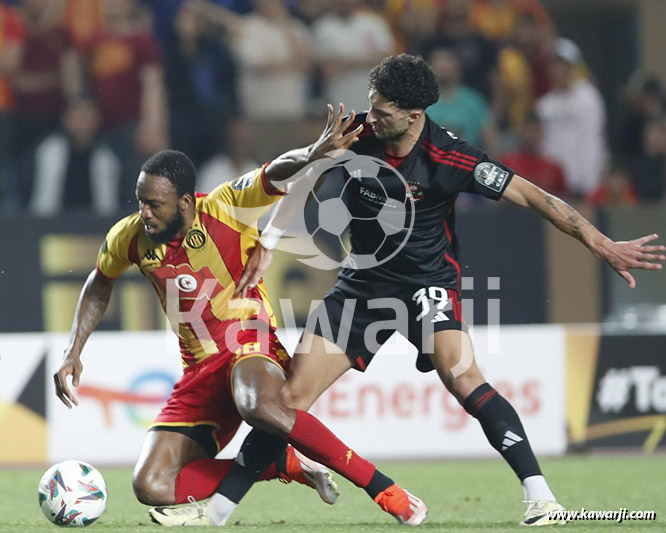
462, 496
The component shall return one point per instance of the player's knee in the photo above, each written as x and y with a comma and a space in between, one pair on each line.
295, 397
152, 487
267, 414
462, 386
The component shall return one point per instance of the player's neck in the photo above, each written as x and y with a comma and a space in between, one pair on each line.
187, 226
402, 146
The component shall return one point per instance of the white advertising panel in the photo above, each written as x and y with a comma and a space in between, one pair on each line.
394, 411
390, 411
126, 379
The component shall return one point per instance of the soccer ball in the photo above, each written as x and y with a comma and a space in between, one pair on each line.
383, 225
72, 493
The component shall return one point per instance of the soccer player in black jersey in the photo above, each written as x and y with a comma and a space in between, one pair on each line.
425, 273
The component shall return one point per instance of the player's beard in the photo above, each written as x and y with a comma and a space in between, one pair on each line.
172, 228
391, 136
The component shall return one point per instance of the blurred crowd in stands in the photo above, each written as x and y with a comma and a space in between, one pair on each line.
90, 88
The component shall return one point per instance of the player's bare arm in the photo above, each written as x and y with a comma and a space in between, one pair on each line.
332, 138
621, 255
92, 303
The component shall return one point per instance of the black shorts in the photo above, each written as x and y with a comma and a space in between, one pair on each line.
359, 326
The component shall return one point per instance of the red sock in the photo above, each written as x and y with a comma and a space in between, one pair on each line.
316, 441
200, 478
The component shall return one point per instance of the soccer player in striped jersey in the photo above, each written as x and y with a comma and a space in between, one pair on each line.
425, 273
193, 248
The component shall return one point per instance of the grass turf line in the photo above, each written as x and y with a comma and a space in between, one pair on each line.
462, 496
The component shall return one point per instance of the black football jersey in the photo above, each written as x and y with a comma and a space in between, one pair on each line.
423, 250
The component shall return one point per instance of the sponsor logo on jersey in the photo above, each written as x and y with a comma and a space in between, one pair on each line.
491, 176
376, 198
243, 182
195, 239
150, 255
186, 283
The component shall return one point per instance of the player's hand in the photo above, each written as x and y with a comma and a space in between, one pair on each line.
258, 261
625, 255
71, 366
333, 137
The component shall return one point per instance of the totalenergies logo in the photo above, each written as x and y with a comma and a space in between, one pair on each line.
145, 393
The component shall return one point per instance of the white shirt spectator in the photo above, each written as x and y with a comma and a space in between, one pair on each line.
221, 169
573, 124
51, 161
272, 84
356, 43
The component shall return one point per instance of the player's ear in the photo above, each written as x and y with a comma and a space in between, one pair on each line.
185, 202
414, 115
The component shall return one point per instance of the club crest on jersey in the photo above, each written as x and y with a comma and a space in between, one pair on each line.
415, 190
491, 176
195, 239
186, 283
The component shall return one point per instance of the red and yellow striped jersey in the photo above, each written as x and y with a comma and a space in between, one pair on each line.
195, 276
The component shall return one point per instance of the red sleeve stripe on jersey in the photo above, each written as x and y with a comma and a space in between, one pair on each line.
449, 160
270, 191
438, 151
103, 274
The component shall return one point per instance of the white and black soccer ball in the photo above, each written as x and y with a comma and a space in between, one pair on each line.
72, 493
389, 227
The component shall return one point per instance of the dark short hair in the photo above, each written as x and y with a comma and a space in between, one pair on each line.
406, 80
174, 166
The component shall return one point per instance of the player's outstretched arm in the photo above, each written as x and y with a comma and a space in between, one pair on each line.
621, 256
332, 139
93, 301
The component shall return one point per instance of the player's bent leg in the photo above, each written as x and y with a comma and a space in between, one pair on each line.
316, 365
310, 436
453, 359
163, 455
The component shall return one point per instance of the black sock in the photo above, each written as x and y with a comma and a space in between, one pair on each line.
281, 463
258, 452
502, 426
378, 483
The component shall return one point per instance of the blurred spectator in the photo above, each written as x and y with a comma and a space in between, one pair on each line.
644, 100
523, 67
126, 76
48, 72
201, 84
459, 109
574, 118
350, 40
12, 35
232, 162
529, 162
478, 55
496, 19
72, 170
413, 22
616, 190
649, 168
273, 52
84, 19
165, 11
